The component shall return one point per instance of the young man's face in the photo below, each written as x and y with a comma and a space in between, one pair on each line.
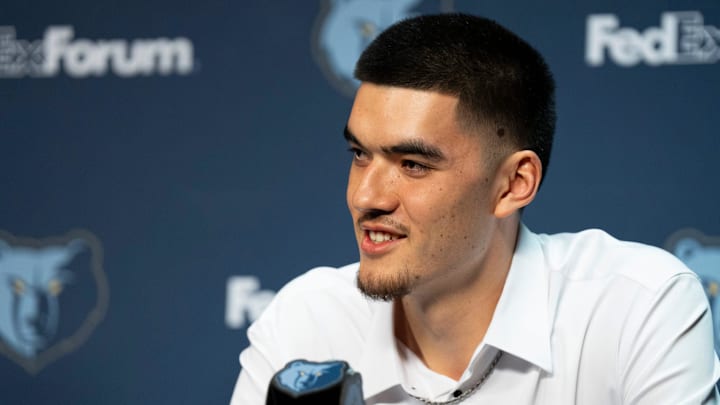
420, 192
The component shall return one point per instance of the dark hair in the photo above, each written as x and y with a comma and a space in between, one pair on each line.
500, 80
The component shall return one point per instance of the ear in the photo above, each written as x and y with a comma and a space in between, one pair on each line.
74, 246
686, 247
518, 179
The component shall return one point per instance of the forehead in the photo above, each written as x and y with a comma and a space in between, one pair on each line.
400, 113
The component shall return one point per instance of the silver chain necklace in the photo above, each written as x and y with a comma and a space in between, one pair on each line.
469, 392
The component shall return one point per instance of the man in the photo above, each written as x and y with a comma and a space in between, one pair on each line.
454, 300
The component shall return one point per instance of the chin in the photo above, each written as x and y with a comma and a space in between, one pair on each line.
383, 287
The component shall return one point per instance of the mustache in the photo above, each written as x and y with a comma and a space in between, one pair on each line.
382, 218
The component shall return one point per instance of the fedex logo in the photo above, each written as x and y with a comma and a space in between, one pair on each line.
681, 38
60, 51
245, 301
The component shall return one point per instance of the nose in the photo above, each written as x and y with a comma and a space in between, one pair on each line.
373, 188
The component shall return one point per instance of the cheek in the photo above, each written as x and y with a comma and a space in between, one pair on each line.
425, 206
436, 212
450, 212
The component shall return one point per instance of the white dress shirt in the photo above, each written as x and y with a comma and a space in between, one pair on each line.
583, 319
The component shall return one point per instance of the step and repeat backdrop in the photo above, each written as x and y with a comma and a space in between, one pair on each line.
166, 166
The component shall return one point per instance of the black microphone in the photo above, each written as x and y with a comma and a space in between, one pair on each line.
310, 383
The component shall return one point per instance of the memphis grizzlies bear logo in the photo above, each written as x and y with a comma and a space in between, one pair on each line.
345, 27
305, 376
53, 292
302, 377
701, 254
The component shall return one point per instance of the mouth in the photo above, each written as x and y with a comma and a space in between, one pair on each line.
379, 241
380, 236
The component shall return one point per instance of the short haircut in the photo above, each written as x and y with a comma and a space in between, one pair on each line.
502, 83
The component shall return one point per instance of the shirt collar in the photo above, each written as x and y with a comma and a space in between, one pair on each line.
380, 361
521, 322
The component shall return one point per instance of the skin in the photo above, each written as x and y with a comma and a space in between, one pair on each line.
450, 212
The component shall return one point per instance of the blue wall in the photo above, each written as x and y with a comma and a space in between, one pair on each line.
197, 180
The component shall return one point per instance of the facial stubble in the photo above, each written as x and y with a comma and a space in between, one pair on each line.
385, 287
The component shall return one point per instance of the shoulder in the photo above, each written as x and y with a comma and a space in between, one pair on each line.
316, 315
320, 297
594, 254
323, 282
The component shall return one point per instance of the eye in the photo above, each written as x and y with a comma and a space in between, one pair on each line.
367, 29
55, 287
18, 286
359, 156
415, 168
712, 289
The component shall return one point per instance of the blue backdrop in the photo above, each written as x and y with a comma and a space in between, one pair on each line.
167, 165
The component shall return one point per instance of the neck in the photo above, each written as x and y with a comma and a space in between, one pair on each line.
444, 325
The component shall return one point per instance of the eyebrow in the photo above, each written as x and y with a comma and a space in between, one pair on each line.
410, 147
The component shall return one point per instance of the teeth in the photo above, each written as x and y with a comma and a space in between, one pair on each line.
378, 237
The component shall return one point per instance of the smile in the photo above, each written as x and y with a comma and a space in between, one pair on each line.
379, 237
